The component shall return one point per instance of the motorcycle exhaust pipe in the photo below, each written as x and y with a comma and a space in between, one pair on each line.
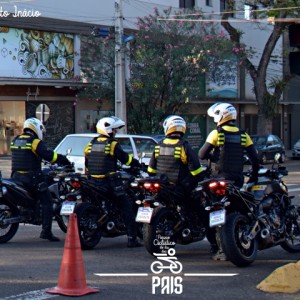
264, 233
186, 233
111, 226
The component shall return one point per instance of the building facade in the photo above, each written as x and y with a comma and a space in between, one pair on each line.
40, 52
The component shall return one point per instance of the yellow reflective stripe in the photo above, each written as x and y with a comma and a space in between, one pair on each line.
55, 156
112, 147
170, 141
197, 171
98, 176
129, 160
107, 149
27, 147
243, 139
177, 152
34, 145
221, 138
156, 151
150, 170
183, 156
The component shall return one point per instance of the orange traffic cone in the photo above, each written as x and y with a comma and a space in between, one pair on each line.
72, 281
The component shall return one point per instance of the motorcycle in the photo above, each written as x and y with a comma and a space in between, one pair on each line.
167, 219
18, 205
98, 214
254, 218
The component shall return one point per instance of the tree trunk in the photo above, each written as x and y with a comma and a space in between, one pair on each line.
264, 126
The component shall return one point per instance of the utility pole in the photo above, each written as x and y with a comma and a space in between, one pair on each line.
120, 97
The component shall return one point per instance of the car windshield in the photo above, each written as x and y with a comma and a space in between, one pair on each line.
75, 143
144, 145
259, 140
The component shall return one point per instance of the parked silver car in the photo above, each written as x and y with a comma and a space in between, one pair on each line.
140, 146
296, 149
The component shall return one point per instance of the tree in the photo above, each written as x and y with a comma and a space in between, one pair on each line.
97, 69
169, 63
267, 95
170, 60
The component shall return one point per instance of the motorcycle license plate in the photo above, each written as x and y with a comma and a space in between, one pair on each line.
217, 217
144, 214
67, 207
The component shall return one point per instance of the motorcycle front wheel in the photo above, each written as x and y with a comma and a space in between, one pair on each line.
89, 232
7, 231
158, 236
239, 250
292, 236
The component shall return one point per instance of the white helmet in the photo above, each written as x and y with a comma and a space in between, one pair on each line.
36, 126
222, 112
174, 124
106, 125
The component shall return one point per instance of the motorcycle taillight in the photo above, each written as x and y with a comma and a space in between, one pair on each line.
76, 184
153, 187
218, 187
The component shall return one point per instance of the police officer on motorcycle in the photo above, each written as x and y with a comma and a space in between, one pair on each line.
225, 147
101, 158
28, 150
175, 158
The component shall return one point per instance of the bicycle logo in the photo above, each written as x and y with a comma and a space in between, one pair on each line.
174, 266
166, 284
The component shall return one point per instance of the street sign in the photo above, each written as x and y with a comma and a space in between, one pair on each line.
42, 112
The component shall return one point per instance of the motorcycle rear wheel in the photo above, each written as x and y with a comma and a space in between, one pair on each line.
292, 237
158, 235
62, 222
8, 231
89, 232
238, 250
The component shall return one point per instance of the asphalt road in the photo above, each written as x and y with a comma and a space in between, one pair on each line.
30, 266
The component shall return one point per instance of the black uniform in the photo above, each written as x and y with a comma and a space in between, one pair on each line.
27, 154
175, 158
101, 158
225, 146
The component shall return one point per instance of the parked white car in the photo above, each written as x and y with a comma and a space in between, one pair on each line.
140, 146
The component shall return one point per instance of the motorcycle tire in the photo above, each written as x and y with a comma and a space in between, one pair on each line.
292, 237
89, 232
8, 231
162, 225
140, 230
62, 222
238, 250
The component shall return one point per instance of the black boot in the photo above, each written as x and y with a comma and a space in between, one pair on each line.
133, 242
47, 222
49, 236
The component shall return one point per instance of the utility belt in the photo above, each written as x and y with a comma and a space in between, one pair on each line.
114, 180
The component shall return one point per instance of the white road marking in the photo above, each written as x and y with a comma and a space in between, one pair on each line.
36, 295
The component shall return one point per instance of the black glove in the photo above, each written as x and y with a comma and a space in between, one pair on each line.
252, 179
62, 160
135, 163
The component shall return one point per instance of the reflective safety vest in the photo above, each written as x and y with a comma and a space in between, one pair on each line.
232, 145
23, 157
100, 155
168, 158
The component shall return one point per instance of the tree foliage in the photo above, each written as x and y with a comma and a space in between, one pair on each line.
268, 93
170, 61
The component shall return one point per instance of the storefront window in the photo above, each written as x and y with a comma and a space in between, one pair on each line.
12, 117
